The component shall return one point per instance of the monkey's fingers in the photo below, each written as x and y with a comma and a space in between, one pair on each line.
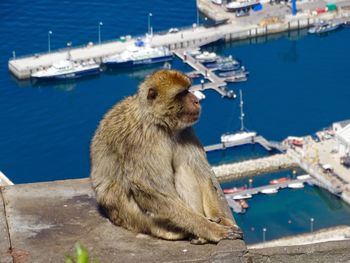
235, 234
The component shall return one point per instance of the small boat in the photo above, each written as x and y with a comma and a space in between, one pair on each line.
217, 2
303, 177
139, 54
269, 191
237, 78
67, 69
296, 185
242, 134
346, 23
324, 27
242, 196
207, 57
193, 52
194, 75
243, 204
200, 96
280, 180
243, 4
234, 190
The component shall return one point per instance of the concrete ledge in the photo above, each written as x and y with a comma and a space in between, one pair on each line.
47, 219
5, 256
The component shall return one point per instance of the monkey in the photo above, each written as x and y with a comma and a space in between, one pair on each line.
149, 170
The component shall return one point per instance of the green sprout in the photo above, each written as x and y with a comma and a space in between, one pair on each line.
81, 255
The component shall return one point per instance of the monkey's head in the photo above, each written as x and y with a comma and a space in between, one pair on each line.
166, 97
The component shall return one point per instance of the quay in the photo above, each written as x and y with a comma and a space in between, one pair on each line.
233, 171
195, 36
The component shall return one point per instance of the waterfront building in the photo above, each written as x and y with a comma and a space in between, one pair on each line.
342, 136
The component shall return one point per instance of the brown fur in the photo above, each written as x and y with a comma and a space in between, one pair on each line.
149, 170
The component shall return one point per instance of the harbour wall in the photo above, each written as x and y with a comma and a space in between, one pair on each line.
228, 172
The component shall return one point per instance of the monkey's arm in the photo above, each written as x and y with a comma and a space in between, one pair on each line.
165, 207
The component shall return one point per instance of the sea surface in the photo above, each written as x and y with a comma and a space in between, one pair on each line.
298, 84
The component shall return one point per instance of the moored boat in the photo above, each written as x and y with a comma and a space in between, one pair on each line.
303, 177
234, 190
280, 180
242, 134
269, 191
242, 196
67, 69
206, 57
296, 185
324, 27
139, 54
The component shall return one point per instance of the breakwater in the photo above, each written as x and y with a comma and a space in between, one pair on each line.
255, 167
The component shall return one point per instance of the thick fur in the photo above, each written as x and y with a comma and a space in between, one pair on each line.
149, 170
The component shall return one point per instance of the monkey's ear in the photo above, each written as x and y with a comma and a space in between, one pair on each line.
152, 94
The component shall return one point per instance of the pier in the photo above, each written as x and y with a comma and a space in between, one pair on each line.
268, 145
216, 83
195, 36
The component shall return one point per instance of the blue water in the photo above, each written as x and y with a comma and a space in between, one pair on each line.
289, 211
297, 85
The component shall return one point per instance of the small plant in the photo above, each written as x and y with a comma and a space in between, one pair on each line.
81, 256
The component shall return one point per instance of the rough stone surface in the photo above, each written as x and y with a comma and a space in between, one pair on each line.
336, 252
47, 219
4, 238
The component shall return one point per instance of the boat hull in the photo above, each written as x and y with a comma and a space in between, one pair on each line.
137, 63
70, 75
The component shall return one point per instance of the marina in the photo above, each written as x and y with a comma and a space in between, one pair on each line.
191, 37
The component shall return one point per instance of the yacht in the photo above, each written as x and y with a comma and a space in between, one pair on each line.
242, 134
139, 54
324, 27
207, 57
67, 69
296, 185
218, 2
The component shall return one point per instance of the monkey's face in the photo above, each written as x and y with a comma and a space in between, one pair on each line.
172, 103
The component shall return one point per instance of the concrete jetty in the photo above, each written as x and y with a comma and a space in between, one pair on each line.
268, 145
228, 172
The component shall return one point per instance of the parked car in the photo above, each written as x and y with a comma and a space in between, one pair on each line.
242, 12
173, 30
315, 137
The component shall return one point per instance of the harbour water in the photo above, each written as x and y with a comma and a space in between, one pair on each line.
288, 212
297, 85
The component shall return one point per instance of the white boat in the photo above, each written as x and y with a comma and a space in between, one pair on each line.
242, 134
194, 52
67, 69
139, 54
269, 191
237, 5
242, 196
207, 57
303, 177
324, 27
218, 2
296, 185
198, 94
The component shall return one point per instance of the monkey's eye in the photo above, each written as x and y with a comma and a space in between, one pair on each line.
182, 93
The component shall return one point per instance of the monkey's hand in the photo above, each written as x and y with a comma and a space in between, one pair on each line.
217, 232
228, 222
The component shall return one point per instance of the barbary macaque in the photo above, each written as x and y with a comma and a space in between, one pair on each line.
149, 170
